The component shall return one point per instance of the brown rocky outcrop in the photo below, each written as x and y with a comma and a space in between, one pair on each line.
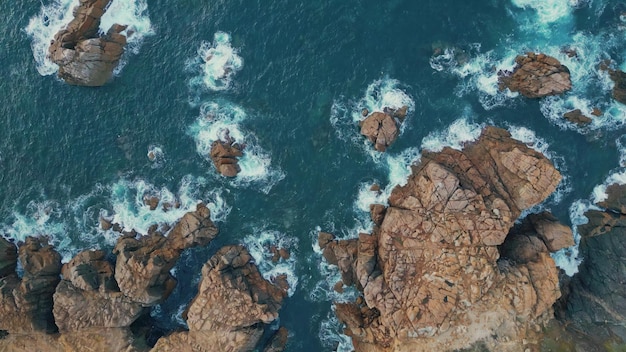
8, 258
576, 116
382, 128
619, 89
84, 57
432, 274
595, 307
536, 76
26, 303
225, 156
143, 265
233, 303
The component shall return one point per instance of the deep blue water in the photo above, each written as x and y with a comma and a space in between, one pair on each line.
68, 152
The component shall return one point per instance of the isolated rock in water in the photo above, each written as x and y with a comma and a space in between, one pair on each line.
536, 76
88, 296
619, 89
84, 57
225, 156
26, 303
143, 265
381, 129
8, 258
596, 304
432, 275
233, 303
577, 117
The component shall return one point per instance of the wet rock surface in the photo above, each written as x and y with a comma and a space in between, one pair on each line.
225, 156
536, 76
85, 57
576, 116
432, 275
382, 128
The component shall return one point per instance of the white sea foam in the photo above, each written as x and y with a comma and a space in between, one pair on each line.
218, 62
599, 192
42, 28
331, 334
567, 258
58, 13
156, 156
455, 136
381, 94
222, 121
621, 147
548, 11
259, 244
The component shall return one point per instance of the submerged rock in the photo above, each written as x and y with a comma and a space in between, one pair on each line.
233, 304
84, 57
536, 76
432, 275
576, 116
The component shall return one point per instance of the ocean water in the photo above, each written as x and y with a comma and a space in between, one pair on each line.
289, 79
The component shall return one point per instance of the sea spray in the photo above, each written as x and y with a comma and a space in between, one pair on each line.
217, 63
454, 136
222, 121
259, 245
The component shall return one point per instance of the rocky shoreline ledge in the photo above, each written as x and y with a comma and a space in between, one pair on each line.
92, 302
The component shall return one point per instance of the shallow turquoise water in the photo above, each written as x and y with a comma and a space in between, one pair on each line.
65, 151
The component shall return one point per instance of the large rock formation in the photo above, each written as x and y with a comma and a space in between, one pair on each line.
225, 156
8, 258
596, 304
432, 275
233, 303
84, 57
536, 76
26, 302
143, 265
382, 128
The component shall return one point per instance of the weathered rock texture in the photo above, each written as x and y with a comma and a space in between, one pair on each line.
576, 116
84, 57
536, 76
233, 303
26, 303
382, 128
143, 265
596, 304
225, 156
432, 275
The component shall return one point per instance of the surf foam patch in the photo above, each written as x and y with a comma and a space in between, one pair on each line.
217, 63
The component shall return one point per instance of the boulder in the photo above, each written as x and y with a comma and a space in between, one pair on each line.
233, 304
432, 275
84, 57
26, 303
536, 76
380, 129
619, 88
225, 156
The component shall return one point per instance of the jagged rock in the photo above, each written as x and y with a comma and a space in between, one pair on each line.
619, 89
26, 303
151, 201
233, 303
555, 235
88, 289
596, 304
377, 213
8, 258
431, 274
278, 342
381, 129
84, 57
343, 254
536, 76
225, 156
577, 117
143, 265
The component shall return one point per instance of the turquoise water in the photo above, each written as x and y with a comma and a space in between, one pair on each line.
299, 74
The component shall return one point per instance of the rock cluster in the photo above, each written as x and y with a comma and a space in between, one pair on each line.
619, 89
437, 273
536, 76
595, 302
225, 156
233, 303
84, 57
382, 128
